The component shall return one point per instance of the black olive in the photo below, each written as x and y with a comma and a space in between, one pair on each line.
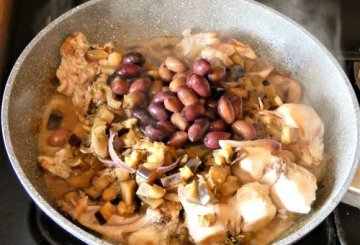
74, 140
236, 72
100, 218
54, 120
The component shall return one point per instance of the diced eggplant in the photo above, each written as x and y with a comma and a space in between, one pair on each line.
193, 164
82, 180
124, 209
74, 140
186, 173
157, 192
172, 197
171, 180
128, 189
148, 191
153, 203
54, 120
106, 211
217, 176
99, 184
109, 194
192, 194
230, 186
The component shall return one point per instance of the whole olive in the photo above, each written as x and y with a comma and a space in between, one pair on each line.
173, 104
128, 71
165, 74
120, 87
201, 67
244, 129
211, 113
187, 96
58, 138
135, 58
158, 111
168, 126
211, 139
143, 116
142, 84
193, 111
178, 139
179, 121
197, 130
200, 85
156, 133
161, 96
226, 110
175, 64
133, 100
218, 125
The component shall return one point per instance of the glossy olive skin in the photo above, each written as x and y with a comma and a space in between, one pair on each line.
158, 111
58, 138
156, 133
226, 110
178, 139
211, 139
128, 71
244, 129
134, 58
193, 111
120, 87
197, 130
200, 85
142, 84
201, 67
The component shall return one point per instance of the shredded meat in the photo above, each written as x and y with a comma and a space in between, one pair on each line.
75, 72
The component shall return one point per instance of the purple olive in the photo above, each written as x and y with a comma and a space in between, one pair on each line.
158, 111
211, 140
201, 67
128, 71
193, 111
167, 125
120, 87
156, 133
143, 117
218, 125
211, 113
197, 130
134, 58
200, 85
161, 96
142, 84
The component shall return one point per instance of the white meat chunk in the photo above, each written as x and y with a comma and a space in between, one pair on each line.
295, 189
199, 233
251, 168
255, 206
311, 130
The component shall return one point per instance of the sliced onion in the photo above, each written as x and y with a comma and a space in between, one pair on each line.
114, 156
107, 162
149, 176
273, 145
164, 169
171, 180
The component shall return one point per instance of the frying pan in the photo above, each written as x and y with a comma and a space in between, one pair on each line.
273, 36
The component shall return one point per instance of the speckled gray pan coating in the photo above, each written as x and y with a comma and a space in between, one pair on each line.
271, 34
